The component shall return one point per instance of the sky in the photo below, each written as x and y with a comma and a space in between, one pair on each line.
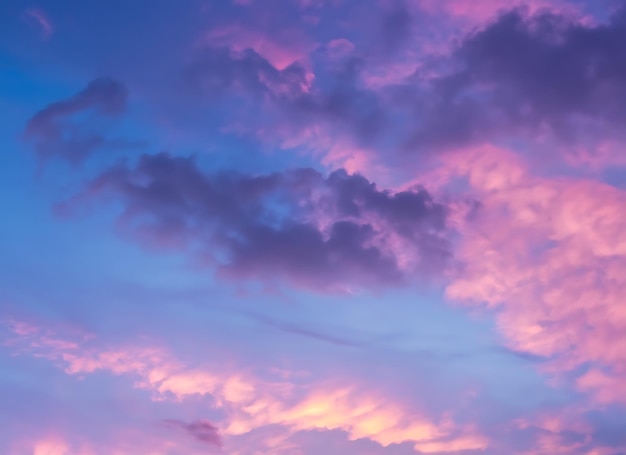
302, 227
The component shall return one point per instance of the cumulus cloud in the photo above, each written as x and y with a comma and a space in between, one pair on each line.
546, 74
535, 74
321, 232
547, 255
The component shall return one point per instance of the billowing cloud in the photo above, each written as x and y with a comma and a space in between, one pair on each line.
290, 130
298, 225
541, 75
551, 262
544, 76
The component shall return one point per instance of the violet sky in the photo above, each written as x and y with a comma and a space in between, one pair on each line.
303, 227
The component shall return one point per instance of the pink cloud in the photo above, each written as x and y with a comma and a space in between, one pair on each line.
340, 48
606, 388
279, 52
39, 18
376, 77
481, 10
549, 254
125, 442
333, 149
554, 427
597, 157
51, 447
251, 401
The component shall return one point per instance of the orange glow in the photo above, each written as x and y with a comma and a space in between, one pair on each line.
251, 403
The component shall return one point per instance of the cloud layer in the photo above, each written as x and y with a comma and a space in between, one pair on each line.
385, 227
319, 232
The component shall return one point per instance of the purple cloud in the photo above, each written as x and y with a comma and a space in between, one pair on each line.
532, 74
245, 72
289, 98
295, 225
517, 348
69, 128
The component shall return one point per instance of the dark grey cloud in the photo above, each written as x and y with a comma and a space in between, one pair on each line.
547, 66
297, 225
546, 73
201, 430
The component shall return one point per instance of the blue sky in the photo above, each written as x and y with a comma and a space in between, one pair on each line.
312, 226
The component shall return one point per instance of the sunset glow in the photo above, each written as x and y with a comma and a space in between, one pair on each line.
313, 227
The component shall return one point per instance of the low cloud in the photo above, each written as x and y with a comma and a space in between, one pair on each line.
325, 233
